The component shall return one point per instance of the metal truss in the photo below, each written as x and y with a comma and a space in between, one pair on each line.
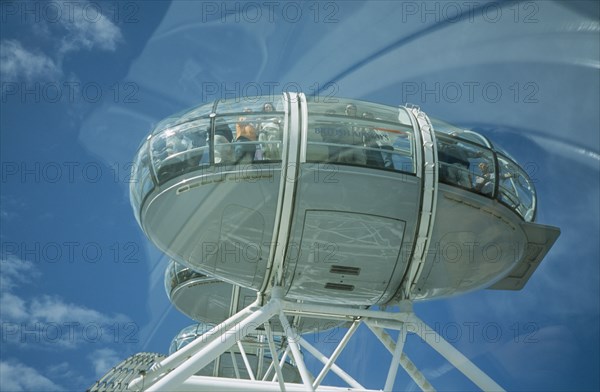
177, 371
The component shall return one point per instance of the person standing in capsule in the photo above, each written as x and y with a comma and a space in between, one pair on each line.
245, 138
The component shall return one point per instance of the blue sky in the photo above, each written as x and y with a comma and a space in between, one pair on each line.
83, 83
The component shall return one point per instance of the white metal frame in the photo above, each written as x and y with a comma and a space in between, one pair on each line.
427, 170
176, 372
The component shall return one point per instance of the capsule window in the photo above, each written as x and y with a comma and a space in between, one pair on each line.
466, 165
181, 149
248, 137
364, 141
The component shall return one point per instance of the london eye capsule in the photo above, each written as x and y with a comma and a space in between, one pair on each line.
344, 202
211, 301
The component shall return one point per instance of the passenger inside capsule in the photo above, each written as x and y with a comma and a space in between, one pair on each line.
454, 158
245, 136
269, 135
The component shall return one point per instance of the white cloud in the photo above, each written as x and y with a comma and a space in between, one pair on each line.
16, 377
87, 30
16, 62
49, 320
12, 308
81, 27
53, 309
64, 373
15, 271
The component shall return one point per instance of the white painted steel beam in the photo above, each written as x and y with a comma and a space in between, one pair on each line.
212, 384
335, 368
174, 360
245, 359
292, 336
393, 369
336, 353
172, 380
406, 363
274, 359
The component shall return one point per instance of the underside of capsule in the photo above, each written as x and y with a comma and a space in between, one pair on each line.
344, 202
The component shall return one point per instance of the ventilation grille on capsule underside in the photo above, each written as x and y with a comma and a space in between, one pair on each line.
344, 270
339, 286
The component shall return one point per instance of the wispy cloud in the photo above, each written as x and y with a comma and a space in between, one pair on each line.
16, 377
84, 32
73, 32
48, 320
14, 272
18, 63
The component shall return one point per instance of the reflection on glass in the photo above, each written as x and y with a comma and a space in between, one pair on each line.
141, 179
179, 149
257, 104
457, 160
248, 138
177, 274
360, 133
515, 189
182, 117
485, 177
340, 131
187, 335
472, 167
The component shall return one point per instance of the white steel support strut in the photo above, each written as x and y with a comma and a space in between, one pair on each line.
215, 384
282, 362
245, 359
406, 363
335, 368
215, 348
391, 377
274, 356
336, 353
292, 336
178, 372
174, 360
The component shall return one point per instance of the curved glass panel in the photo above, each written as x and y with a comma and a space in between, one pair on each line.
196, 112
444, 127
464, 134
502, 151
248, 138
464, 164
257, 104
343, 131
515, 188
248, 130
187, 335
180, 149
472, 167
177, 274
353, 108
360, 133
183, 116
483, 172
141, 179
474, 137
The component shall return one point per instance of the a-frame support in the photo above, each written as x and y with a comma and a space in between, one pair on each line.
176, 372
